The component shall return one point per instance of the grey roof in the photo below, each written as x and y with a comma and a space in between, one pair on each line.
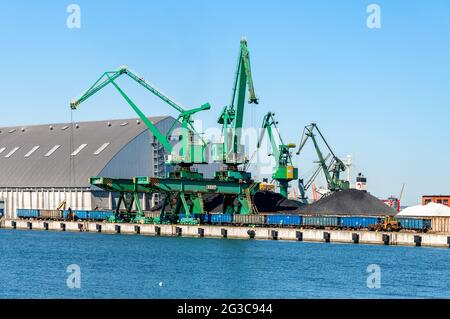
56, 170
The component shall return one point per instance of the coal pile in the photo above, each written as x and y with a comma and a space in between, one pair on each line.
271, 202
264, 201
349, 202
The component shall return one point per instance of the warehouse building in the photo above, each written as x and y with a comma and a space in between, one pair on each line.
49, 166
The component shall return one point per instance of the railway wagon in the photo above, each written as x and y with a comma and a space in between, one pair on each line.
152, 214
220, 218
440, 224
49, 214
27, 213
419, 224
200, 217
249, 219
321, 221
77, 214
100, 214
284, 220
81, 214
358, 222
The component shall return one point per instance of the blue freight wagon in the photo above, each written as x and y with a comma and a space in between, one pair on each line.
81, 214
321, 221
220, 218
78, 214
356, 222
414, 223
28, 213
100, 214
289, 220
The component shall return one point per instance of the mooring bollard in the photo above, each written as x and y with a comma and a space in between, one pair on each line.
45, 225
63, 226
274, 234
14, 225
326, 236
386, 239
299, 235
98, 227
224, 232
30, 225
355, 238
179, 231
251, 233
418, 240
137, 229
117, 229
448, 241
157, 231
201, 232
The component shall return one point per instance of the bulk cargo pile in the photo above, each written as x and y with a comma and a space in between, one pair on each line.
263, 201
349, 202
429, 210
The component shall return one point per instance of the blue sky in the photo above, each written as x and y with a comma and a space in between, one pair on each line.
381, 95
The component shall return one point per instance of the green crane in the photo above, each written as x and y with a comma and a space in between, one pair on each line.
231, 152
189, 151
332, 172
284, 171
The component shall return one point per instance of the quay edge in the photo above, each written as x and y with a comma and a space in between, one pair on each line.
234, 232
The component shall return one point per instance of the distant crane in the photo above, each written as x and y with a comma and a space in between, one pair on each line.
332, 172
284, 171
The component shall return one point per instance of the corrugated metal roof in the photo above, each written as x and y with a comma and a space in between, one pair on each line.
56, 169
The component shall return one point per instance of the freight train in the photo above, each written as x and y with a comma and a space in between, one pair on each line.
257, 220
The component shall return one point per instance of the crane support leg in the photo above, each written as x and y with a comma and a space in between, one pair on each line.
140, 216
185, 205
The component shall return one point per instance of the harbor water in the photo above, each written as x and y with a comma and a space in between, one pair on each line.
40, 264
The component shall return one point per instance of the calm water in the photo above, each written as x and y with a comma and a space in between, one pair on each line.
33, 264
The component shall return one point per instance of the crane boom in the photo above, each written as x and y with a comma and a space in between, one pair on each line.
232, 116
189, 152
110, 76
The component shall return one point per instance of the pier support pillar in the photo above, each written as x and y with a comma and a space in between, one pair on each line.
326, 236
386, 239
418, 240
355, 238
224, 232
274, 234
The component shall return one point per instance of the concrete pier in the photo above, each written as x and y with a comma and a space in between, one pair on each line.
266, 233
